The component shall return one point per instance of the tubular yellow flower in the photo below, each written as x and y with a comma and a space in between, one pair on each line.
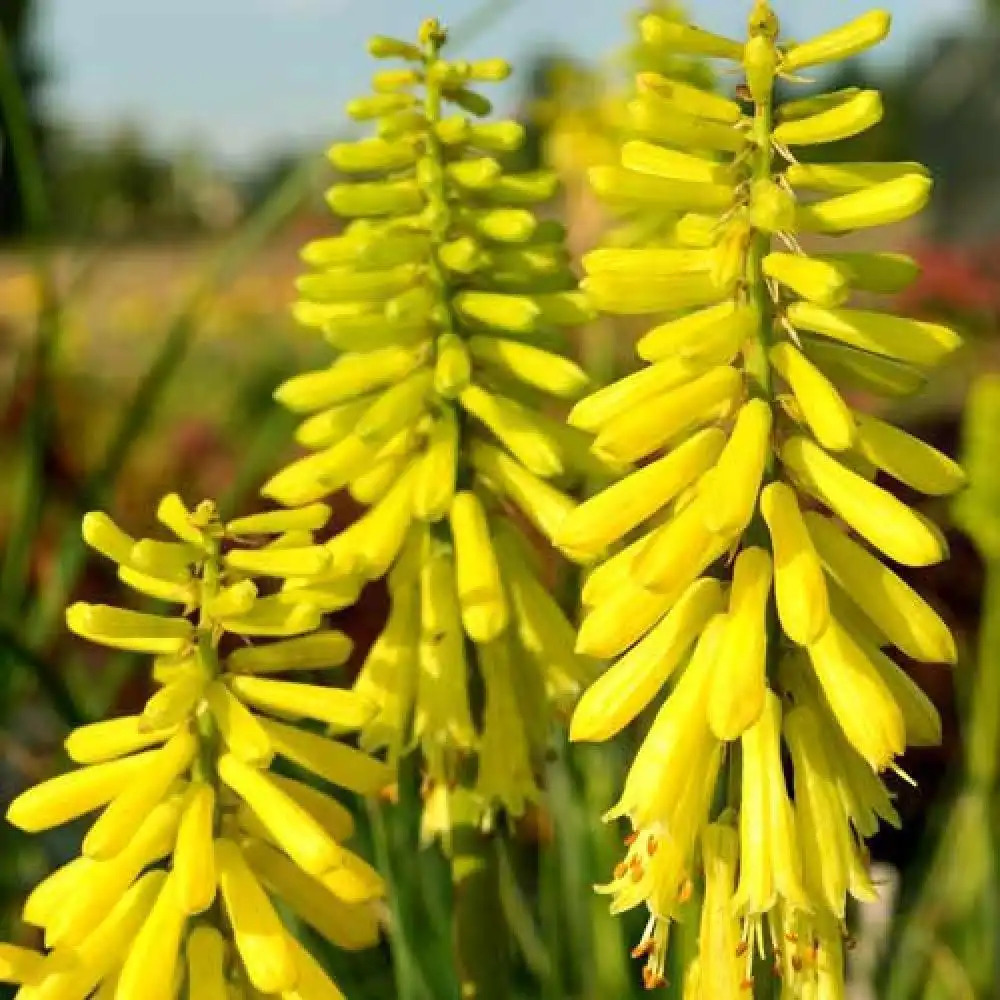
445, 296
759, 346
185, 783
738, 682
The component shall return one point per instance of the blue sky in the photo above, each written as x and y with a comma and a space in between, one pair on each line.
241, 75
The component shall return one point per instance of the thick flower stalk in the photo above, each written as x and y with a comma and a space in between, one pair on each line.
445, 296
198, 840
755, 576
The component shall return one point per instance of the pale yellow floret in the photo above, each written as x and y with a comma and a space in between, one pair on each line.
597, 523
770, 859
898, 611
480, 589
627, 687
822, 406
261, 939
206, 955
799, 585
860, 700
301, 837
239, 728
151, 965
737, 695
194, 852
874, 513
730, 489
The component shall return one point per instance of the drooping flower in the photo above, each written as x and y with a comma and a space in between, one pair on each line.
445, 297
758, 529
197, 837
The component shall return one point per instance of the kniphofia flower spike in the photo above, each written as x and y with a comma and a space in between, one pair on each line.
758, 534
445, 296
198, 838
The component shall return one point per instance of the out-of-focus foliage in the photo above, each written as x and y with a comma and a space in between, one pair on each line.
17, 27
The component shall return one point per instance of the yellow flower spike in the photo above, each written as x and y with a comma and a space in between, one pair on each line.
262, 942
665, 261
206, 957
855, 115
844, 178
76, 793
832, 867
814, 279
739, 686
731, 487
161, 808
717, 332
860, 700
799, 585
822, 406
770, 860
908, 459
722, 973
901, 614
609, 515
637, 433
435, 481
194, 852
480, 590
151, 965
875, 514
130, 630
301, 836
309, 518
876, 205
629, 685
340, 710
840, 43
112, 738
118, 823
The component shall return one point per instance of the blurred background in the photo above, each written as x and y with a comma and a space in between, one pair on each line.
160, 165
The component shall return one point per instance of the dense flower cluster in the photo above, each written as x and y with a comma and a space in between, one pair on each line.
752, 527
445, 297
198, 840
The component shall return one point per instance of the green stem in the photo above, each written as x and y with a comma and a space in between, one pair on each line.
983, 738
480, 948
